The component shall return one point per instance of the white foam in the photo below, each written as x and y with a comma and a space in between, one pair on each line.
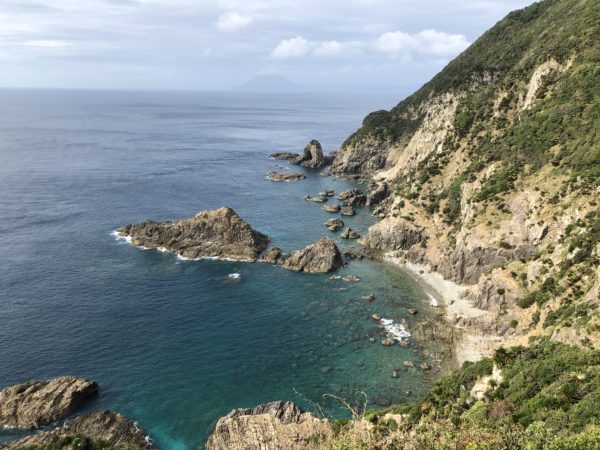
234, 276
397, 330
120, 237
432, 300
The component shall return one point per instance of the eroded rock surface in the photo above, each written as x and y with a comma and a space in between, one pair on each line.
312, 156
272, 426
113, 428
37, 403
290, 176
321, 257
220, 233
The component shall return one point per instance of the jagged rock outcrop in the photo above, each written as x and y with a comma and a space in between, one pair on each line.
312, 156
334, 224
112, 428
287, 176
220, 233
273, 255
272, 426
349, 233
394, 234
333, 208
378, 194
37, 403
321, 257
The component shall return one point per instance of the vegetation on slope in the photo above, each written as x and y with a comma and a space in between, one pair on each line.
548, 398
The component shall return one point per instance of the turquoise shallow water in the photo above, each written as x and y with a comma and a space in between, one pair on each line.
176, 344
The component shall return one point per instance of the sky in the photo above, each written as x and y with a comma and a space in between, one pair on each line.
222, 44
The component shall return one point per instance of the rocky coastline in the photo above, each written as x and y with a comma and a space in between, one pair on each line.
37, 406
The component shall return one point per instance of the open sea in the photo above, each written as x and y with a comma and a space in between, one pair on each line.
176, 344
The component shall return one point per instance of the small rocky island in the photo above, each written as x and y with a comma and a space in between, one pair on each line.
321, 257
312, 156
282, 176
36, 404
221, 233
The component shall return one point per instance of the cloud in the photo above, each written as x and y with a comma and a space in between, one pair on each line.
397, 44
426, 42
233, 21
292, 48
48, 44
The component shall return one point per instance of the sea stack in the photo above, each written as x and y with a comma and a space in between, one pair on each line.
221, 233
321, 257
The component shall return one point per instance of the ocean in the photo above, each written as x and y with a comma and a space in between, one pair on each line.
176, 344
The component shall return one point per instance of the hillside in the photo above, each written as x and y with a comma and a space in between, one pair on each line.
495, 166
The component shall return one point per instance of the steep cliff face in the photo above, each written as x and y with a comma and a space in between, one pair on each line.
494, 172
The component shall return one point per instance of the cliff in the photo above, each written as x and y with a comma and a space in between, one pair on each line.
493, 169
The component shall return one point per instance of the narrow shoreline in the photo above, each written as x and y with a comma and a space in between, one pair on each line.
472, 344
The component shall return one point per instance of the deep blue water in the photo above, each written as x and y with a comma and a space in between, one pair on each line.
175, 344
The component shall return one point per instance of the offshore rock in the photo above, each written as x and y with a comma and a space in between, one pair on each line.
312, 156
347, 211
349, 233
37, 403
220, 233
334, 224
113, 428
378, 195
333, 208
321, 257
291, 176
272, 426
273, 255
284, 156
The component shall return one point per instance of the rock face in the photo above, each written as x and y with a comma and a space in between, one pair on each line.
272, 426
321, 257
312, 156
334, 224
272, 255
104, 425
277, 176
333, 208
378, 195
219, 233
284, 156
38, 403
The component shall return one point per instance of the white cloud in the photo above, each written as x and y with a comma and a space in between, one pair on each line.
292, 48
233, 21
336, 48
48, 44
426, 42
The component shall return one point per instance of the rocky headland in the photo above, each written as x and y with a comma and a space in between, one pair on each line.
221, 233
38, 403
272, 426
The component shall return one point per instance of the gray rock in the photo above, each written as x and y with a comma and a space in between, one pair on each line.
286, 176
113, 428
312, 156
347, 211
37, 403
321, 257
334, 224
219, 233
349, 233
319, 199
272, 255
332, 208
378, 195
408, 364
284, 156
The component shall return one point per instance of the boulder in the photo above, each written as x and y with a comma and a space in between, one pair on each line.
319, 199
272, 426
273, 255
347, 211
220, 233
321, 257
352, 197
327, 193
37, 403
334, 224
349, 233
333, 208
312, 156
286, 176
113, 429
